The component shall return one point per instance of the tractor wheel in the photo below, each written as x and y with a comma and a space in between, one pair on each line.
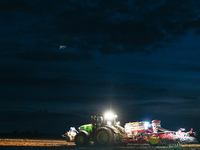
81, 139
104, 137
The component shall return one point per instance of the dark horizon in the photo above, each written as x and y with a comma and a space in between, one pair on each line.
63, 61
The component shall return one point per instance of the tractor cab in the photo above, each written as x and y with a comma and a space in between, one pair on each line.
97, 121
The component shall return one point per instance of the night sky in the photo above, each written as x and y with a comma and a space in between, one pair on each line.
63, 60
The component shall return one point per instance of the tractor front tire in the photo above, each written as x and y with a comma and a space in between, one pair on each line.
81, 139
104, 137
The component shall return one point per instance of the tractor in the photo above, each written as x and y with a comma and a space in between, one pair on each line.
103, 131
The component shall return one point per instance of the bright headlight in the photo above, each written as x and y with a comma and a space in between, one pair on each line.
109, 116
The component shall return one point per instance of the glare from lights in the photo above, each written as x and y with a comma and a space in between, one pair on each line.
182, 129
108, 123
118, 123
146, 125
110, 116
62, 47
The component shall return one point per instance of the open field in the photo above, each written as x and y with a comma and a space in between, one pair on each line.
28, 144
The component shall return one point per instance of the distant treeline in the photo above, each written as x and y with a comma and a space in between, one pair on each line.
31, 135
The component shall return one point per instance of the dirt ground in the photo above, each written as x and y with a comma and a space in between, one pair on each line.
28, 144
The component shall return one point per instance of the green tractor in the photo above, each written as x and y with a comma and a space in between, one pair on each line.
103, 131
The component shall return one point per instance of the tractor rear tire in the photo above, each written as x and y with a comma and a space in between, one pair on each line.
104, 137
81, 139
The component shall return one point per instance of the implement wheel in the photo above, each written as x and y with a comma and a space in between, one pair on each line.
81, 139
69, 138
104, 137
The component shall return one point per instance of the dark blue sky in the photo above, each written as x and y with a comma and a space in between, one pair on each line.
61, 61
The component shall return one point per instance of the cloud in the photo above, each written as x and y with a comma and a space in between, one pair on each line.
12, 5
36, 81
109, 27
171, 106
53, 56
145, 32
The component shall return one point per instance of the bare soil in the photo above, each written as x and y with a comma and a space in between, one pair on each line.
28, 144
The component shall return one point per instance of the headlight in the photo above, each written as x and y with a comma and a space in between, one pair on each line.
109, 116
